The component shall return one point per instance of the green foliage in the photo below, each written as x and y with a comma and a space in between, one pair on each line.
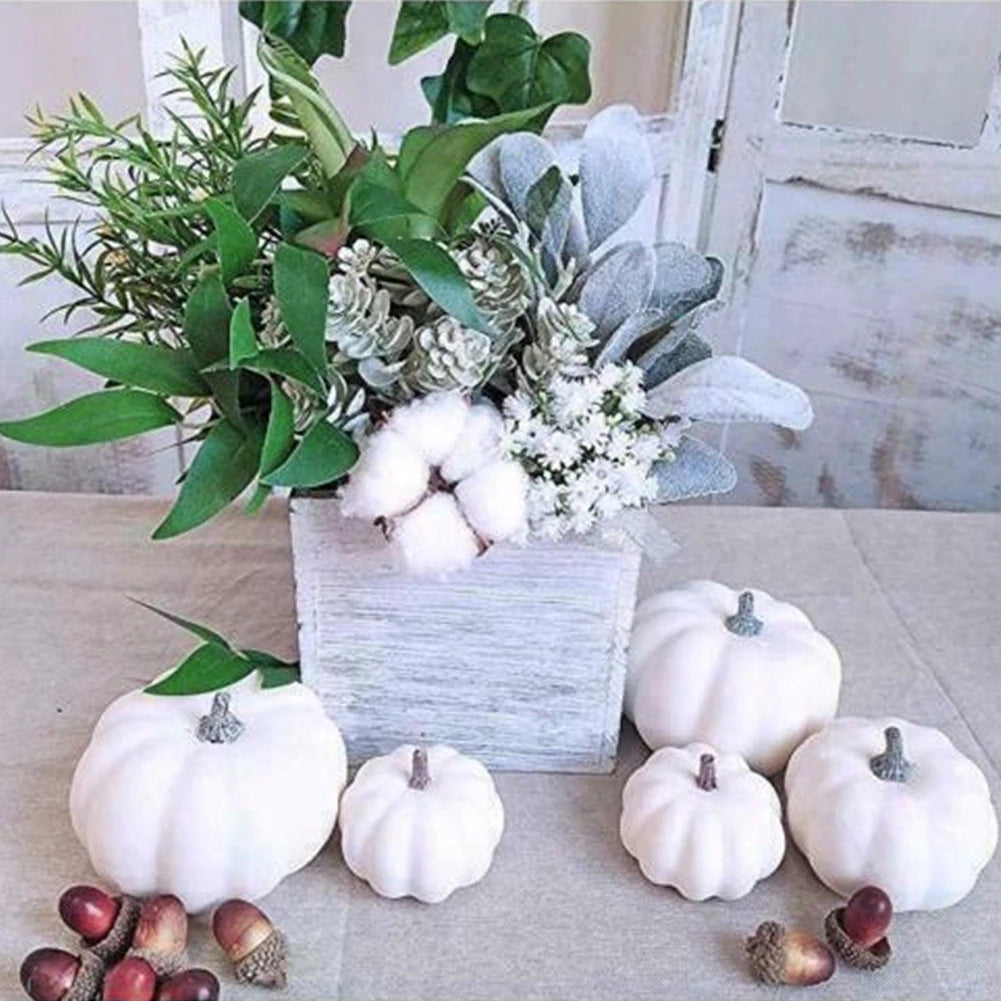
301, 278
206, 320
242, 343
312, 29
167, 371
108, 415
235, 241
216, 663
258, 176
323, 455
421, 23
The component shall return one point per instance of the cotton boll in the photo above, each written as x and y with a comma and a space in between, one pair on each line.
390, 477
432, 424
493, 500
478, 445
434, 538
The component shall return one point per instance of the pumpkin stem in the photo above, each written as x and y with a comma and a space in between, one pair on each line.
891, 765
707, 773
220, 726
420, 777
744, 622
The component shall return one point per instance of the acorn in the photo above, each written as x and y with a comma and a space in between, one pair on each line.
161, 935
130, 979
55, 975
788, 957
857, 931
257, 949
104, 923
190, 985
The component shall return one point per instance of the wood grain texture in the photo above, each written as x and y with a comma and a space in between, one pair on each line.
519, 661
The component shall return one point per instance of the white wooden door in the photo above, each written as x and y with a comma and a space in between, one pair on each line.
858, 205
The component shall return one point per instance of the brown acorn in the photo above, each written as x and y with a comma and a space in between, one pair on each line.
257, 949
130, 979
857, 931
55, 975
788, 957
161, 935
190, 985
104, 923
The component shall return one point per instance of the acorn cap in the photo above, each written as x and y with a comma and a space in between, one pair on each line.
116, 943
849, 950
766, 951
89, 977
266, 964
166, 964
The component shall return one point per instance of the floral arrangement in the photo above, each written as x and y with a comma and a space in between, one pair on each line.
447, 332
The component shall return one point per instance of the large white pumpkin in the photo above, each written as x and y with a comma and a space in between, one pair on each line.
702, 822
208, 796
421, 822
891, 803
738, 670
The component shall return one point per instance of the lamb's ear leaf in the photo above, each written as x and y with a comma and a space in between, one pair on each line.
676, 346
196, 628
548, 206
684, 279
697, 470
206, 669
635, 328
728, 388
522, 161
617, 286
616, 170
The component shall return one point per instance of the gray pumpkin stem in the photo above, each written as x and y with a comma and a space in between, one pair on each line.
744, 622
707, 773
220, 726
891, 765
420, 777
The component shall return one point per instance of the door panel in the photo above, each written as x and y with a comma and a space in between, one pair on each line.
868, 269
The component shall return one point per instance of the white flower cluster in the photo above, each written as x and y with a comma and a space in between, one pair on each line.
586, 446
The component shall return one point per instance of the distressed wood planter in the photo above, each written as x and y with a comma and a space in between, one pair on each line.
519, 661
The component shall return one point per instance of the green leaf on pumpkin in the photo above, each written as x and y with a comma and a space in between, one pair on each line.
206, 669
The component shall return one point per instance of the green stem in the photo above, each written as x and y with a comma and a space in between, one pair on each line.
891, 765
744, 622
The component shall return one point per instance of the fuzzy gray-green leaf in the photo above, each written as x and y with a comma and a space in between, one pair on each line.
617, 286
697, 470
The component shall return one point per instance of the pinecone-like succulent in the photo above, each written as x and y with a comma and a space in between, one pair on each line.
359, 320
447, 355
500, 285
562, 337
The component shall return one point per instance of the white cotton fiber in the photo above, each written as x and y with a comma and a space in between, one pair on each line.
432, 424
493, 500
390, 477
434, 538
478, 444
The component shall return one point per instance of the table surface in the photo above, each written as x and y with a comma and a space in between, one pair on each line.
910, 599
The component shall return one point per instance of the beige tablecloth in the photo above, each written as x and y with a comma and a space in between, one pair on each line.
911, 599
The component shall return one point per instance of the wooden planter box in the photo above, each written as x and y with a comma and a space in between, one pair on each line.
519, 661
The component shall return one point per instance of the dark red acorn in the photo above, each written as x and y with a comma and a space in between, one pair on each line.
161, 935
48, 974
190, 985
867, 916
132, 979
88, 911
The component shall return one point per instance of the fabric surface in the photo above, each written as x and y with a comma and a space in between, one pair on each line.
909, 598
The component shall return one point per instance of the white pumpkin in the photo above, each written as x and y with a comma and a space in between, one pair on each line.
741, 671
208, 796
421, 822
702, 822
894, 804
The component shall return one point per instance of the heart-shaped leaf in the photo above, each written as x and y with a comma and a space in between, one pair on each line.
728, 388
312, 29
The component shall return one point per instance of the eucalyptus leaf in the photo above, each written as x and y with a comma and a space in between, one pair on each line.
301, 278
697, 470
617, 286
107, 415
258, 176
224, 465
206, 669
236, 243
728, 388
206, 320
168, 371
616, 170
242, 343
518, 69
323, 455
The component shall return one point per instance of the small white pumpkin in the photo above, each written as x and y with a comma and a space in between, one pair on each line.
702, 822
421, 822
741, 671
211, 796
894, 804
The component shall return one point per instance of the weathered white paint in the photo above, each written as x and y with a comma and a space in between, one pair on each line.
865, 267
518, 661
